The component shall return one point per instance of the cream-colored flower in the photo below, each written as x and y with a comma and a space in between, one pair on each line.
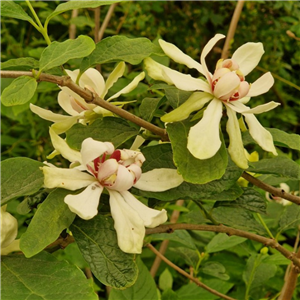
284, 187
9, 231
99, 167
77, 108
226, 86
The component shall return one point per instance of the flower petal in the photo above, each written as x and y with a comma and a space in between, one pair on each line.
47, 114
92, 78
14, 246
63, 148
70, 179
243, 109
63, 126
9, 227
117, 72
124, 180
128, 224
107, 169
91, 149
150, 216
262, 136
248, 56
235, 148
195, 102
154, 70
185, 82
204, 138
207, 48
159, 180
177, 55
226, 86
261, 85
128, 88
85, 204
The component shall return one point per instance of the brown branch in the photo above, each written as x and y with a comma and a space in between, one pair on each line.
97, 23
179, 270
230, 231
72, 27
106, 21
232, 27
91, 98
164, 245
274, 191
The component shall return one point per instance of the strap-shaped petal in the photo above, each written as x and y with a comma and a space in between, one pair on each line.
150, 216
47, 114
185, 82
85, 204
63, 126
63, 148
207, 48
261, 85
128, 224
262, 136
159, 180
204, 138
235, 148
70, 179
9, 228
91, 149
117, 72
130, 87
177, 55
195, 102
248, 56
243, 109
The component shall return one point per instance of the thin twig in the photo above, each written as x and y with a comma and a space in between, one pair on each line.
232, 28
274, 191
230, 231
91, 98
179, 270
106, 21
96, 29
164, 245
72, 27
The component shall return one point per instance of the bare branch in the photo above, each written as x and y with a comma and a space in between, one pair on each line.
106, 21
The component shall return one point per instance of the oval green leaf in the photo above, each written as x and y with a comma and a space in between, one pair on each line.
13, 10
20, 91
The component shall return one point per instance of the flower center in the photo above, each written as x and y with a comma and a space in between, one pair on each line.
228, 82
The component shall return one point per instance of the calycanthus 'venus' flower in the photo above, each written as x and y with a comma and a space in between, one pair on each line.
284, 187
226, 86
100, 166
9, 231
77, 107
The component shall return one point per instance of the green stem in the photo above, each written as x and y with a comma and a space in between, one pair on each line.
39, 25
265, 226
207, 214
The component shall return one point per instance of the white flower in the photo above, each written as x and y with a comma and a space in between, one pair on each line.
101, 166
284, 187
227, 86
77, 108
9, 231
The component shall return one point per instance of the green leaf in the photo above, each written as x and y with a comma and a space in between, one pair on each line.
169, 295
165, 280
215, 269
290, 218
148, 107
222, 241
238, 218
22, 63
280, 138
50, 219
280, 165
97, 240
143, 288
56, 54
195, 170
193, 292
191, 257
43, 277
107, 129
20, 91
179, 236
20, 177
120, 48
257, 272
76, 5
13, 10
250, 200
160, 156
